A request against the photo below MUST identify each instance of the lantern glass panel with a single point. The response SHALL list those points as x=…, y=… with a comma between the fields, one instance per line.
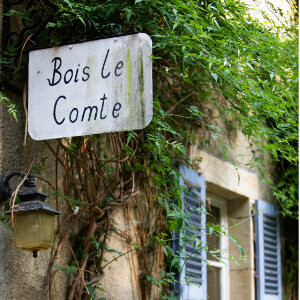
x=34, y=230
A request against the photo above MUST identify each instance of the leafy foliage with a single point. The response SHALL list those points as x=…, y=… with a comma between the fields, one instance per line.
x=11, y=107
x=199, y=44
x=204, y=44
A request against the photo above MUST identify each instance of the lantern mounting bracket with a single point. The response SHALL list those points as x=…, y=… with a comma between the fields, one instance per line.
x=29, y=182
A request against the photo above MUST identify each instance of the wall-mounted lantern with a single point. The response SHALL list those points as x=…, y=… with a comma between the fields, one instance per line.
x=33, y=220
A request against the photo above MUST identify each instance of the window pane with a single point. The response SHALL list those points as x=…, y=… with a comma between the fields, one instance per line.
x=213, y=242
x=213, y=283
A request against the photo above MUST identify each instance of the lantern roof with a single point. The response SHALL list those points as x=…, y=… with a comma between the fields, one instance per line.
x=31, y=194
x=30, y=206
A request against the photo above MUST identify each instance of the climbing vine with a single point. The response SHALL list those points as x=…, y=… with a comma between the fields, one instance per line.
x=210, y=51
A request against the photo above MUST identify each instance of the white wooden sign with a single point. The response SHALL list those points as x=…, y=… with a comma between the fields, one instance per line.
x=92, y=87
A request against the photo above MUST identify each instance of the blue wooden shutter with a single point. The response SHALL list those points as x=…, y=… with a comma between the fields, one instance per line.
x=268, y=264
x=194, y=269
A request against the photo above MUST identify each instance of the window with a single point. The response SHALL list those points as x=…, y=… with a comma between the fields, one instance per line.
x=218, y=269
x=212, y=282
x=268, y=265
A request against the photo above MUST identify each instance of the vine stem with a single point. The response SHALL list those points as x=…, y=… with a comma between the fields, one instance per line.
x=135, y=274
x=26, y=126
x=103, y=243
x=21, y=54
x=66, y=168
x=59, y=247
x=181, y=100
x=80, y=275
x=117, y=257
x=132, y=258
x=13, y=198
x=56, y=181
x=87, y=180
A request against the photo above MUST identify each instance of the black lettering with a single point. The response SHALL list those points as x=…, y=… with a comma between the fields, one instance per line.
x=91, y=109
x=118, y=67
x=65, y=77
x=105, y=76
x=87, y=74
x=70, y=117
x=76, y=74
x=55, y=71
x=54, y=111
x=103, y=99
x=115, y=108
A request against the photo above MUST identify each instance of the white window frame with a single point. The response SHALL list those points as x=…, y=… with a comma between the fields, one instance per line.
x=224, y=244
